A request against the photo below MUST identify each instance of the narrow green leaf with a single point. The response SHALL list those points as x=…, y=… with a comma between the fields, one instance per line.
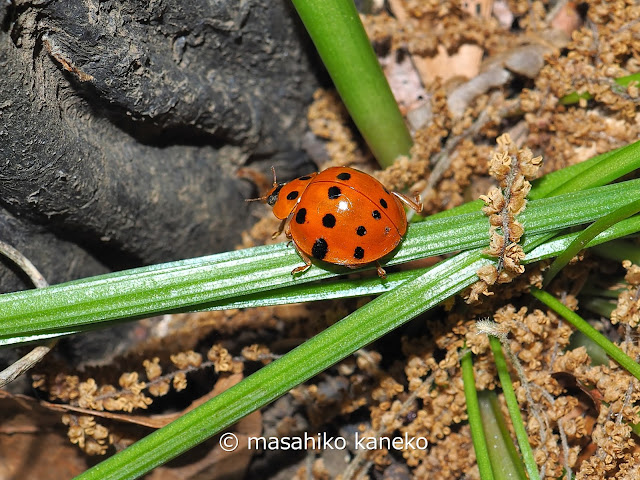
x=578, y=322
x=546, y=185
x=606, y=169
x=475, y=417
x=575, y=97
x=341, y=41
x=195, y=283
x=294, y=294
x=620, y=250
x=587, y=235
x=505, y=460
x=553, y=247
x=514, y=409
x=358, y=329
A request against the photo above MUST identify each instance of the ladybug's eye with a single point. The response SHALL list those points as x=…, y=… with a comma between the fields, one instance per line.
x=273, y=197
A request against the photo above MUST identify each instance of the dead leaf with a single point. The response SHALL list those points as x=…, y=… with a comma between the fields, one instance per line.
x=151, y=421
x=26, y=431
x=28, y=423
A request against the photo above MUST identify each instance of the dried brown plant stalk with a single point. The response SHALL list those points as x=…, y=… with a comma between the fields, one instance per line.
x=133, y=392
x=32, y=358
x=512, y=168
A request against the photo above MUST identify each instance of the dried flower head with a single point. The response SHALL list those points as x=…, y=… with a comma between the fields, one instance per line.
x=513, y=168
x=627, y=310
x=184, y=360
x=90, y=436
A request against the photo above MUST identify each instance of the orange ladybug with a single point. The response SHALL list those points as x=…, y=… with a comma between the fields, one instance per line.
x=341, y=216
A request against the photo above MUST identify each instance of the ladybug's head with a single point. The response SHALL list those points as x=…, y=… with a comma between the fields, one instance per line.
x=271, y=198
x=283, y=197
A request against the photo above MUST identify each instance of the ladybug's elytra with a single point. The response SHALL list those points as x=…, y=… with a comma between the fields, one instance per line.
x=341, y=216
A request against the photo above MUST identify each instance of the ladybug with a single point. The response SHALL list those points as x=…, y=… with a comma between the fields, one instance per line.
x=341, y=216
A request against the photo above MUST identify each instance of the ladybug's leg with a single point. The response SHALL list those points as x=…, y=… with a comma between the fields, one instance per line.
x=415, y=203
x=284, y=223
x=305, y=259
x=280, y=229
x=381, y=272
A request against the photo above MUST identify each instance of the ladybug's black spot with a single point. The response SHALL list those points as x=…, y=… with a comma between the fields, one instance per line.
x=329, y=221
x=358, y=253
x=306, y=177
x=334, y=192
x=383, y=202
x=319, y=249
x=387, y=229
x=344, y=176
x=293, y=195
x=376, y=215
x=361, y=231
x=301, y=216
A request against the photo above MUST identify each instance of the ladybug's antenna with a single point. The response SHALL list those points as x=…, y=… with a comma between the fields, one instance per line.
x=264, y=198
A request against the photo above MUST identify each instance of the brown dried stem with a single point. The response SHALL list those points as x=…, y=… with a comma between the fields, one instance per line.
x=32, y=358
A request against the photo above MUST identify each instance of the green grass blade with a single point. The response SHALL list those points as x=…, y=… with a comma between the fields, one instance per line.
x=358, y=329
x=578, y=322
x=608, y=166
x=365, y=325
x=314, y=291
x=475, y=417
x=505, y=460
x=607, y=169
x=587, y=235
x=341, y=41
x=348, y=287
x=575, y=97
x=514, y=409
x=620, y=250
x=553, y=247
x=194, y=284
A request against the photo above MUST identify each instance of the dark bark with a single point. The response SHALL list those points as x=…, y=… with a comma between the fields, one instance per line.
x=122, y=124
